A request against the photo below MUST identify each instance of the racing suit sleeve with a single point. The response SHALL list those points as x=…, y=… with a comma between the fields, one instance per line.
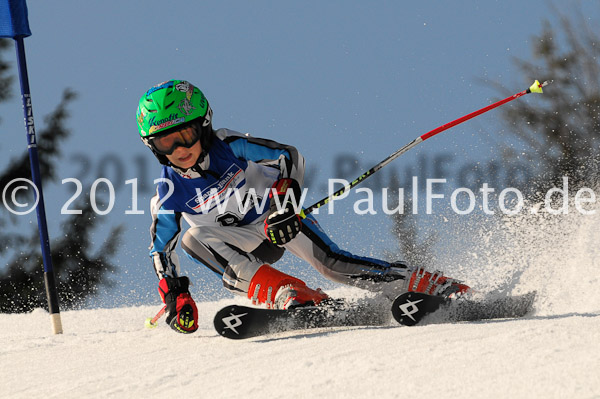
x=165, y=231
x=266, y=152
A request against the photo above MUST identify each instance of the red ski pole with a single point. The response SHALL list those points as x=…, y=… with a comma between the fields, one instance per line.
x=536, y=87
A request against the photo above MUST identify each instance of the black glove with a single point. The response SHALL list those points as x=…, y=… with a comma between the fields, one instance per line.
x=182, y=314
x=283, y=224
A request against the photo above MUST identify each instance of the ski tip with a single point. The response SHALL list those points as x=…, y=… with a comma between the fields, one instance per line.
x=230, y=322
x=409, y=308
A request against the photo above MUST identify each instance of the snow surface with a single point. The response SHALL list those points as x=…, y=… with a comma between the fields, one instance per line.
x=108, y=353
x=554, y=353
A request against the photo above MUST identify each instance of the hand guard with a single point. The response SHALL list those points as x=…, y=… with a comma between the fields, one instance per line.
x=283, y=224
x=182, y=314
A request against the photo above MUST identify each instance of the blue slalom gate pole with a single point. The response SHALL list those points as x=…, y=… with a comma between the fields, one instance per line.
x=49, y=279
x=14, y=24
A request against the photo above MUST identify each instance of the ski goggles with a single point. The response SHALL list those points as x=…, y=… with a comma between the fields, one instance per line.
x=166, y=145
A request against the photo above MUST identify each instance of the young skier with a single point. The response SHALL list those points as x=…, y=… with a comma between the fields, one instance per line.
x=208, y=176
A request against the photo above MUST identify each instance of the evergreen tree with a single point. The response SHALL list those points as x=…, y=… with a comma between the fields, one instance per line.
x=78, y=271
x=559, y=129
x=563, y=134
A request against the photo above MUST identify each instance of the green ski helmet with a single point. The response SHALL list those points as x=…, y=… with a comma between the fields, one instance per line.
x=167, y=107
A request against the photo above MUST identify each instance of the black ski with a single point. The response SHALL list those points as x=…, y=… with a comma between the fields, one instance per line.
x=239, y=322
x=411, y=307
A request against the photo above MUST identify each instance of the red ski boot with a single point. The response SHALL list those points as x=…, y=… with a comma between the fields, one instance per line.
x=278, y=290
x=435, y=284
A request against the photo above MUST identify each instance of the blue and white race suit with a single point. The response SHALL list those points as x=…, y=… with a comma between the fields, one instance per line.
x=226, y=204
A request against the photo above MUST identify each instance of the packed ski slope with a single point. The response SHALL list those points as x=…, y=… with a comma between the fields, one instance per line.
x=554, y=353
x=107, y=353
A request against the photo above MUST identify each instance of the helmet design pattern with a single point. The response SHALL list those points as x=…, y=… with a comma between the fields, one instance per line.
x=167, y=106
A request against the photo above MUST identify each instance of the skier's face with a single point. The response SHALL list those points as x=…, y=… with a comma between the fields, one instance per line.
x=185, y=158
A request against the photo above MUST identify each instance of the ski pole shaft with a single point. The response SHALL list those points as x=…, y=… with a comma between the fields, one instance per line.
x=160, y=313
x=536, y=87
